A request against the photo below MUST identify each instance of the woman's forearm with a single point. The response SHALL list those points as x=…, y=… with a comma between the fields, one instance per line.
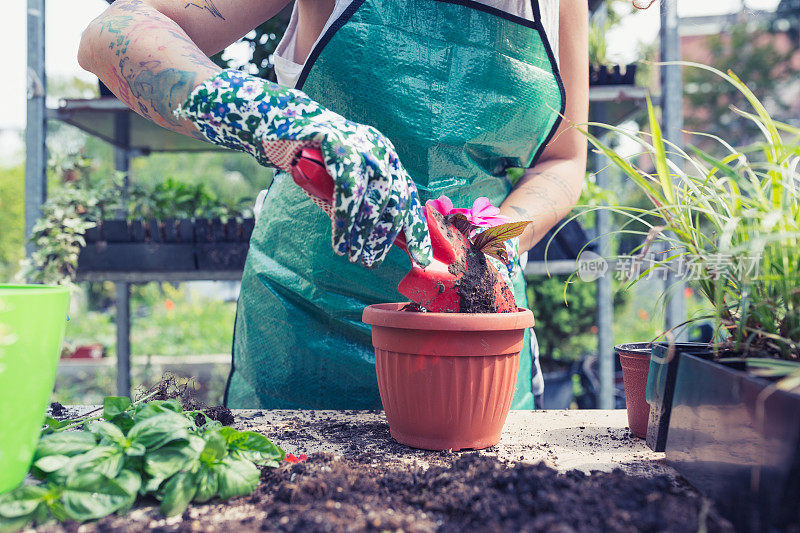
x=545, y=195
x=146, y=60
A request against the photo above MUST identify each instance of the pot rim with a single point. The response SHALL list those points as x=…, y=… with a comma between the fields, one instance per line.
x=634, y=349
x=389, y=315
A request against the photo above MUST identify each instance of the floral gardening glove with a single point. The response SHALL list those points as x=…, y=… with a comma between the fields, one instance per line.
x=373, y=199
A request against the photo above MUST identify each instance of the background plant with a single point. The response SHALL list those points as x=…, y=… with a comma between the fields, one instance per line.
x=79, y=203
x=741, y=207
x=59, y=233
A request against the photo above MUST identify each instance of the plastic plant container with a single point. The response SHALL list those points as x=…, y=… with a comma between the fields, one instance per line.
x=635, y=361
x=661, y=386
x=446, y=380
x=32, y=322
x=738, y=441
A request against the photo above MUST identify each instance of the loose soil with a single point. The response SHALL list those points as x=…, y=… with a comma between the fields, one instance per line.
x=57, y=410
x=472, y=493
x=476, y=284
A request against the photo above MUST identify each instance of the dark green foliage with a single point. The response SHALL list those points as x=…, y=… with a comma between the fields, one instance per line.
x=564, y=329
x=134, y=450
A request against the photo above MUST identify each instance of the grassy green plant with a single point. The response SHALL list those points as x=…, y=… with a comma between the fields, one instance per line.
x=723, y=214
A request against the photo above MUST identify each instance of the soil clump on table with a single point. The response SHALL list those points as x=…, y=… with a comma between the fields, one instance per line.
x=473, y=493
x=57, y=410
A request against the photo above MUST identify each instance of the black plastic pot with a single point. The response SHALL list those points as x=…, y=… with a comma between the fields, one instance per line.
x=166, y=245
x=737, y=441
x=616, y=75
x=661, y=386
x=558, y=390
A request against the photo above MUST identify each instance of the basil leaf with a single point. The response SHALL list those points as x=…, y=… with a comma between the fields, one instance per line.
x=105, y=460
x=177, y=492
x=68, y=443
x=216, y=447
x=151, y=485
x=130, y=483
x=91, y=495
x=51, y=463
x=173, y=457
x=21, y=501
x=135, y=450
x=236, y=477
x=113, y=406
x=12, y=525
x=51, y=424
x=159, y=429
x=149, y=409
x=207, y=484
x=252, y=446
x=108, y=431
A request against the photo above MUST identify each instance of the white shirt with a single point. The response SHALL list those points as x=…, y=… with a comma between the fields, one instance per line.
x=288, y=72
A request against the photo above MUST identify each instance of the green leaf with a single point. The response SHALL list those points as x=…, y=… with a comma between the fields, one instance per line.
x=151, y=485
x=106, y=460
x=660, y=156
x=157, y=407
x=207, y=484
x=252, y=446
x=51, y=424
x=92, y=495
x=177, y=492
x=500, y=234
x=216, y=447
x=135, y=450
x=113, y=406
x=13, y=525
x=159, y=429
x=68, y=443
x=21, y=501
x=236, y=477
x=51, y=463
x=130, y=483
x=173, y=457
x=107, y=431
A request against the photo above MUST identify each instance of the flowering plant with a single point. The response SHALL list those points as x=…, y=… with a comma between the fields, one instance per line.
x=483, y=225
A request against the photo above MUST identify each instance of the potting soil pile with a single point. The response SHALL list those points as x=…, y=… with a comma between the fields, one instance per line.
x=471, y=493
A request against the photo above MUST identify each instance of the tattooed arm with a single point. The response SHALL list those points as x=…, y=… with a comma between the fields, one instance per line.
x=549, y=191
x=152, y=53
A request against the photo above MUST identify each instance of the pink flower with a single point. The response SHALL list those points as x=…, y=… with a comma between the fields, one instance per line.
x=482, y=214
x=442, y=204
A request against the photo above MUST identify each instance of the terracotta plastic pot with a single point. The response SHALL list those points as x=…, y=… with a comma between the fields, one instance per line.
x=446, y=380
x=635, y=361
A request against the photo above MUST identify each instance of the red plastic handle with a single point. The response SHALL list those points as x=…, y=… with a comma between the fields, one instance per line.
x=309, y=172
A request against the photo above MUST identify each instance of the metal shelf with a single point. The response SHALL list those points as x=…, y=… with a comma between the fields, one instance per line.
x=145, y=277
x=103, y=117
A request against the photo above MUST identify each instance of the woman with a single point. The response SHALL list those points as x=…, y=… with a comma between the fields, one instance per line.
x=407, y=100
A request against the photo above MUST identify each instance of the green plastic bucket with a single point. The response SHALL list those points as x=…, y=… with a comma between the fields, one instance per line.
x=32, y=322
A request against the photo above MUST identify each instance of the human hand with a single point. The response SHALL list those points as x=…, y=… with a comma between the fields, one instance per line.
x=373, y=199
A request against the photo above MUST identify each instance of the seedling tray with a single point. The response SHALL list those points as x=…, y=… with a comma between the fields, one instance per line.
x=169, y=245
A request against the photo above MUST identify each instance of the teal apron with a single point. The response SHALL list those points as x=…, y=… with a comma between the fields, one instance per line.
x=464, y=91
